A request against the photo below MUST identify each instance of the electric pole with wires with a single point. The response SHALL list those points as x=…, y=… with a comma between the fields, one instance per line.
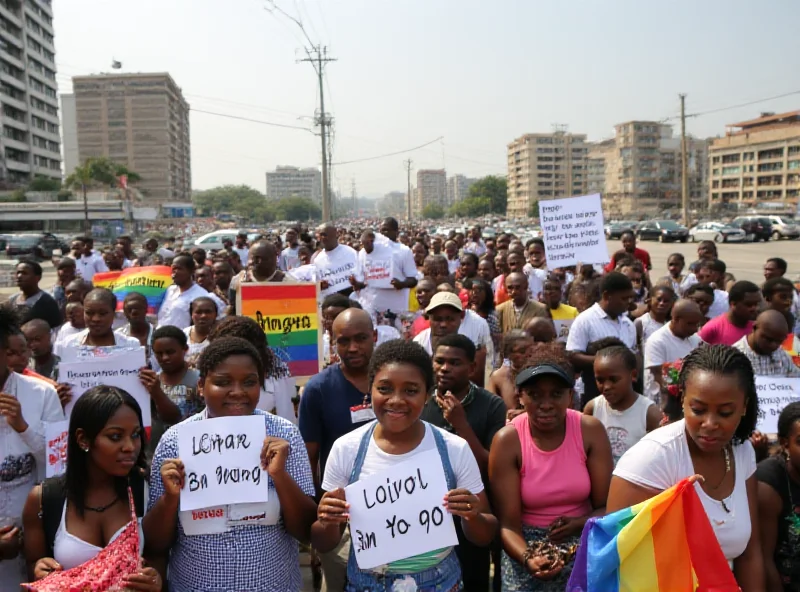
x=408, y=164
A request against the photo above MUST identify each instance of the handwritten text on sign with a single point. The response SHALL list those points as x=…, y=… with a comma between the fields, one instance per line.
x=773, y=395
x=573, y=230
x=378, y=273
x=56, y=435
x=222, y=458
x=399, y=513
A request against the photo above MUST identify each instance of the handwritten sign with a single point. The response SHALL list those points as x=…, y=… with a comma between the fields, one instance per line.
x=573, y=230
x=121, y=371
x=222, y=458
x=56, y=435
x=152, y=282
x=562, y=329
x=288, y=315
x=378, y=273
x=398, y=513
x=774, y=394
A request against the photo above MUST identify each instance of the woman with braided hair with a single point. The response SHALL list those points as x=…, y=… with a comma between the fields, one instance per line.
x=718, y=398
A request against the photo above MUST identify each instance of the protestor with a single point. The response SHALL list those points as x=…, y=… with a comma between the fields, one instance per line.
x=676, y=279
x=713, y=273
x=776, y=267
x=33, y=302
x=175, y=307
x=426, y=288
x=77, y=290
x=241, y=248
x=730, y=327
x=88, y=262
x=453, y=260
x=475, y=244
x=400, y=376
x=763, y=346
x=628, y=239
x=39, y=337
x=134, y=307
x=659, y=307
x=75, y=323
x=720, y=406
x=71, y=518
x=520, y=309
x=542, y=330
x=335, y=263
x=125, y=245
x=549, y=472
x=223, y=276
x=562, y=314
x=66, y=272
x=481, y=302
x=290, y=256
x=516, y=349
x=263, y=554
x=703, y=296
x=204, y=317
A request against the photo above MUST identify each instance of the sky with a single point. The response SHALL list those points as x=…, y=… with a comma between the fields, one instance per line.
x=408, y=72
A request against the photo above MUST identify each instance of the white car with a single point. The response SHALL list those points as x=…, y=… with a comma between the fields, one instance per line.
x=717, y=232
x=213, y=240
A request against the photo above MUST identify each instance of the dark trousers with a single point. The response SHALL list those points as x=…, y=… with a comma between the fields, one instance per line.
x=474, y=562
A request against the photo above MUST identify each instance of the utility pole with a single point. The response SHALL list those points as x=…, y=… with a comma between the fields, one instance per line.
x=355, y=199
x=318, y=57
x=684, y=164
x=408, y=164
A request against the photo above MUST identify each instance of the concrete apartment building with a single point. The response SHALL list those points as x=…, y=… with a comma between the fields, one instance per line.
x=545, y=166
x=458, y=188
x=431, y=189
x=30, y=143
x=291, y=181
x=142, y=122
x=757, y=161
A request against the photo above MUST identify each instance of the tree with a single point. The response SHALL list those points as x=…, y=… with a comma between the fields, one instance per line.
x=533, y=210
x=433, y=211
x=41, y=183
x=471, y=207
x=81, y=178
x=491, y=188
x=234, y=199
x=296, y=208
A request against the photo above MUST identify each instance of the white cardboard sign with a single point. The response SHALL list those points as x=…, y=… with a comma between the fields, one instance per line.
x=399, y=513
x=56, y=435
x=378, y=273
x=121, y=371
x=774, y=393
x=222, y=459
x=573, y=231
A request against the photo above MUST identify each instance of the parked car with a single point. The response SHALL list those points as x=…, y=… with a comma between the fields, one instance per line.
x=36, y=246
x=755, y=227
x=717, y=232
x=213, y=240
x=784, y=227
x=664, y=231
x=615, y=229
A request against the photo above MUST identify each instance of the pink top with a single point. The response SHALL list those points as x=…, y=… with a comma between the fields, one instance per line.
x=720, y=330
x=554, y=483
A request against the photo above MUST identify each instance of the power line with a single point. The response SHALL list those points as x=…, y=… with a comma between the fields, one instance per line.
x=390, y=154
x=730, y=107
x=305, y=129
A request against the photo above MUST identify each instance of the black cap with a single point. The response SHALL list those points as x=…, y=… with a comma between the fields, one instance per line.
x=532, y=372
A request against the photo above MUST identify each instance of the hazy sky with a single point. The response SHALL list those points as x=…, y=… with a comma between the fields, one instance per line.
x=477, y=73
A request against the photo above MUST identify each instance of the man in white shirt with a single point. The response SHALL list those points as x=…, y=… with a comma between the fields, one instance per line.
x=175, y=308
x=241, y=248
x=475, y=245
x=290, y=256
x=335, y=263
x=451, y=252
x=713, y=272
x=672, y=342
x=89, y=262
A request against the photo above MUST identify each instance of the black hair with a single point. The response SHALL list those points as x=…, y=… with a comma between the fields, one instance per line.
x=223, y=263
x=741, y=289
x=65, y=262
x=535, y=241
x=718, y=265
x=124, y=237
x=186, y=260
x=779, y=263
x=135, y=296
x=488, y=301
x=458, y=341
x=605, y=342
x=677, y=256
x=619, y=351
x=399, y=351
x=91, y=413
x=9, y=323
x=512, y=338
x=171, y=332
x=203, y=299
x=726, y=361
x=223, y=348
x=249, y=330
x=776, y=284
x=708, y=243
x=103, y=295
x=391, y=223
x=615, y=282
x=471, y=256
x=663, y=288
x=336, y=301
x=787, y=418
x=35, y=267
x=704, y=288
x=627, y=232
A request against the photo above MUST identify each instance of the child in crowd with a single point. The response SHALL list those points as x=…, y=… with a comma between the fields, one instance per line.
x=76, y=323
x=43, y=360
x=516, y=348
x=204, y=316
x=659, y=306
x=703, y=295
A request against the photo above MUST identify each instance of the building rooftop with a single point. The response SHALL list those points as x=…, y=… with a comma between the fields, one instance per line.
x=766, y=121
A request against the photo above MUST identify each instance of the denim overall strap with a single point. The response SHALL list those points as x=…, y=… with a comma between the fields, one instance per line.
x=361, y=454
x=441, y=446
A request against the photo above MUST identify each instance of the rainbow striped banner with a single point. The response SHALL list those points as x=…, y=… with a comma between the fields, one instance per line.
x=289, y=317
x=664, y=544
x=152, y=282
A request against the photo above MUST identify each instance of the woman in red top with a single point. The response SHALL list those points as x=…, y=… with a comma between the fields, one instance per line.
x=629, y=247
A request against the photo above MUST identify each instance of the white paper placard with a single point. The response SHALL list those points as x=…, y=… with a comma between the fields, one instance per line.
x=562, y=329
x=119, y=371
x=774, y=394
x=56, y=436
x=573, y=231
x=222, y=459
x=378, y=273
x=399, y=513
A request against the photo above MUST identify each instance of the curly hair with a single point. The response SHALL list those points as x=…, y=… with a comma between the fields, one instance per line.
x=725, y=361
x=223, y=348
x=551, y=353
x=788, y=417
x=10, y=321
x=171, y=332
x=249, y=330
x=398, y=351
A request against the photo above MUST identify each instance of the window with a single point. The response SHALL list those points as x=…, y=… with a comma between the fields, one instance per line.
x=773, y=153
x=733, y=170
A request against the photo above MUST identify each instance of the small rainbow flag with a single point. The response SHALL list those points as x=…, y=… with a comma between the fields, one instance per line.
x=152, y=282
x=664, y=544
x=288, y=315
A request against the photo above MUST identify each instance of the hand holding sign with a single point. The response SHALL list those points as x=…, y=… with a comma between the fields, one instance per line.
x=333, y=508
x=462, y=502
x=173, y=475
x=273, y=455
x=11, y=409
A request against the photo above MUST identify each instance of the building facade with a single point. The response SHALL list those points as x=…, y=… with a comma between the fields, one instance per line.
x=290, y=181
x=69, y=127
x=545, y=166
x=458, y=188
x=142, y=122
x=30, y=143
x=757, y=161
x=431, y=189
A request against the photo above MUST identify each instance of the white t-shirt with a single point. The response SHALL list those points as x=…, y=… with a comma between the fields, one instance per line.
x=472, y=325
x=536, y=280
x=720, y=305
x=663, y=347
x=290, y=258
x=649, y=326
x=87, y=267
x=175, y=308
x=624, y=428
x=67, y=350
x=304, y=273
x=336, y=267
x=661, y=459
x=244, y=254
x=453, y=264
x=398, y=261
x=343, y=457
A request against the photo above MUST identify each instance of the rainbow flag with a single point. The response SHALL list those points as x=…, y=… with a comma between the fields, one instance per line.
x=152, y=282
x=288, y=315
x=664, y=544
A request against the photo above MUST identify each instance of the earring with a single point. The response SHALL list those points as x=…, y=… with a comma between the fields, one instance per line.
x=85, y=448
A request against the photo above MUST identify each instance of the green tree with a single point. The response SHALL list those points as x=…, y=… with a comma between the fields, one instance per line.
x=471, y=207
x=533, y=210
x=234, y=199
x=107, y=172
x=81, y=179
x=296, y=208
x=433, y=211
x=491, y=188
x=41, y=183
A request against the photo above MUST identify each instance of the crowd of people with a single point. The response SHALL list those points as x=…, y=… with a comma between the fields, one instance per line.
x=551, y=395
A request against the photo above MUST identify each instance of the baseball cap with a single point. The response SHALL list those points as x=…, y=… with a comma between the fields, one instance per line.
x=445, y=299
x=532, y=372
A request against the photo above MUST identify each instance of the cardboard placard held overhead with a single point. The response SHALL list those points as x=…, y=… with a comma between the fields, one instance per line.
x=774, y=393
x=573, y=231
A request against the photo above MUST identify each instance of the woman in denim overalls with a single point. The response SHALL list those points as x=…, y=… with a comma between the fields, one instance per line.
x=401, y=375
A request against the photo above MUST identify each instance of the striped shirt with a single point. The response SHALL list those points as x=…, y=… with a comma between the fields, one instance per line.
x=594, y=324
x=778, y=363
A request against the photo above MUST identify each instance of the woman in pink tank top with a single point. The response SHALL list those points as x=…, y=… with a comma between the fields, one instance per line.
x=550, y=470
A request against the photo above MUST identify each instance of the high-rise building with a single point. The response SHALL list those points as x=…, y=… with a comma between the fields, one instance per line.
x=69, y=129
x=431, y=189
x=757, y=161
x=30, y=142
x=545, y=166
x=142, y=122
x=290, y=181
x=458, y=188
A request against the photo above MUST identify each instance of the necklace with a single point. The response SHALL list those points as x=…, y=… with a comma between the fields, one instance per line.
x=727, y=454
x=101, y=509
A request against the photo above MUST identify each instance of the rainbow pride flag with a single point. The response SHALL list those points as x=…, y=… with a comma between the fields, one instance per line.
x=288, y=315
x=152, y=282
x=664, y=544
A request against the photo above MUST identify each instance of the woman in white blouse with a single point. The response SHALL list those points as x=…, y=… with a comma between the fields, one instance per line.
x=720, y=409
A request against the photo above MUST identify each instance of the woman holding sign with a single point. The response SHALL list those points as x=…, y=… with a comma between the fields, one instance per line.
x=238, y=547
x=401, y=375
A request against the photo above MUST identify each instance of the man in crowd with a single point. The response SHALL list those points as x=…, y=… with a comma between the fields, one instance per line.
x=475, y=244
x=65, y=271
x=467, y=410
x=763, y=346
x=241, y=248
x=43, y=360
x=776, y=267
x=451, y=252
x=89, y=262
x=712, y=272
x=334, y=403
x=728, y=328
x=223, y=275
x=516, y=312
x=335, y=263
x=37, y=303
x=628, y=239
x=562, y=314
x=125, y=244
x=147, y=255
x=290, y=257
x=387, y=300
